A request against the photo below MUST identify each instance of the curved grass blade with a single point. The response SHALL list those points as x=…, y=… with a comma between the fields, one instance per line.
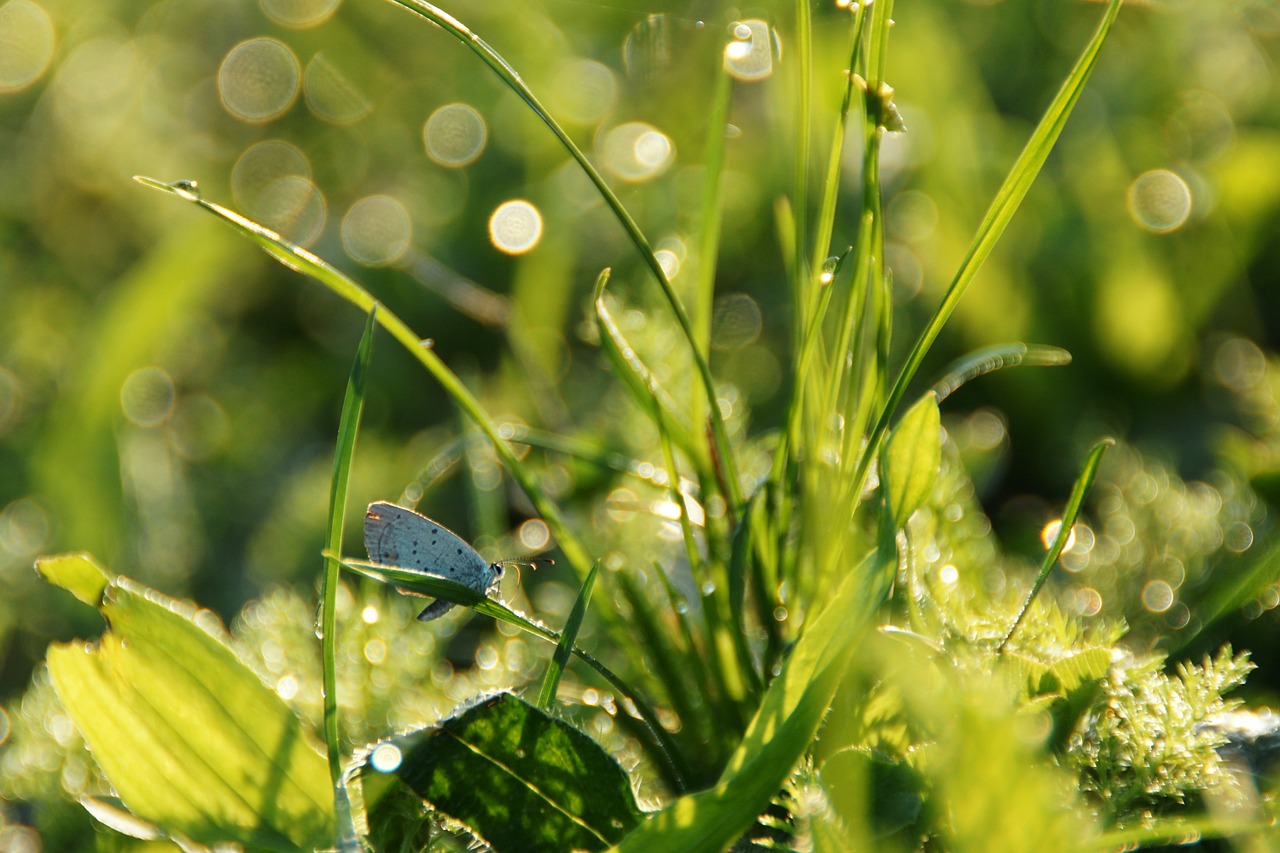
x=627, y=364
x=567, y=638
x=998, y=357
x=348, y=427
x=1003, y=206
x=1069, y=515
x=512, y=80
x=297, y=258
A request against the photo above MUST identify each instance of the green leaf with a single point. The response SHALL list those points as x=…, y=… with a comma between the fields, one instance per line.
x=911, y=459
x=189, y=737
x=564, y=648
x=515, y=776
x=78, y=574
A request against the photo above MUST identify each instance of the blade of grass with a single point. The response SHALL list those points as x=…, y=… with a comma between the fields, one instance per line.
x=629, y=367
x=711, y=220
x=724, y=646
x=1003, y=206
x=801, y=274
x=998, y=357
x=1069, y=515
x=348, y=427
x=564, y=647
x=783, y=728
x=512, y=80
x=826, y=218
x=680, y=666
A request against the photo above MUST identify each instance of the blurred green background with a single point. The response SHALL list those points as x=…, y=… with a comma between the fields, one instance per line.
x=169, y=395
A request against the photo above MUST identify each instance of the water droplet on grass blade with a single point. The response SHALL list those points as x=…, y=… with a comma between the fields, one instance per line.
x=188, y=189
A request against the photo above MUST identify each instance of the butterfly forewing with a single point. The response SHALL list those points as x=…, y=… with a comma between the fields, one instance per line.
x=395, y=536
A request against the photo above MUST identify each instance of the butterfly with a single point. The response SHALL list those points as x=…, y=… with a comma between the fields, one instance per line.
x=395, y=536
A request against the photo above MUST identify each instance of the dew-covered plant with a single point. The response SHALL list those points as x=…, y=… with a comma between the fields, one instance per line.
x=805, y=637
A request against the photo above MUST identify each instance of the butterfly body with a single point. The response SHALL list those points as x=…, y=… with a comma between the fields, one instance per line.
x=395, y=536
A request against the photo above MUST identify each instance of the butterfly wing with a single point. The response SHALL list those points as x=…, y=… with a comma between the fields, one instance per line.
x=395, y=536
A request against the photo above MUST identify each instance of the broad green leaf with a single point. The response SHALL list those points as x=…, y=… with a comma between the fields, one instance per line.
x=189, y=736
x=866, y=787
x=780, y=733
x=911, y=459
x=517, y=777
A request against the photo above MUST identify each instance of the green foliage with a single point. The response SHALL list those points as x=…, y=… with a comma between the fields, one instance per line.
x=190, y=738
x=1150, y=745
x=806, y=632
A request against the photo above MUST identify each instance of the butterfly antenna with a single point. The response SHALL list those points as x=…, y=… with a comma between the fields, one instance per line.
x=531, y=562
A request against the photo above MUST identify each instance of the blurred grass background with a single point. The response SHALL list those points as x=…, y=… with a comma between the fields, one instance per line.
x=169, y=396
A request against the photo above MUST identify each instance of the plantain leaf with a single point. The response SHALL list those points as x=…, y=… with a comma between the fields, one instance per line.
x=189, y=737
x=515, y=776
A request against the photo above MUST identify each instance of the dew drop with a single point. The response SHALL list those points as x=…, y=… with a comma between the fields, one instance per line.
x=190, y=190
x=829, y=267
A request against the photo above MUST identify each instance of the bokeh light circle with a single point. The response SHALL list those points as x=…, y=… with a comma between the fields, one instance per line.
x=749, y=55
x=515, y=227
x=1159, y=200
x=26, y=44
x=637, y=151
x=299, y=13
x=377, y=230
x=455, y=135
x=259, y=80
x=147, y=396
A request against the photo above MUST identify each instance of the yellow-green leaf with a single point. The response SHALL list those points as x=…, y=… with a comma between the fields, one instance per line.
x=189, y=737
x=911, y=459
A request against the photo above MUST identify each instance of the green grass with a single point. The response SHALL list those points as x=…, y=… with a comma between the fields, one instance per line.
x=800, y=635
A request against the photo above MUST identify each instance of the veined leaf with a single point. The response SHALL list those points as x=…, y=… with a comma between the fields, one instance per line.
x=517, y=777
x=189, y=737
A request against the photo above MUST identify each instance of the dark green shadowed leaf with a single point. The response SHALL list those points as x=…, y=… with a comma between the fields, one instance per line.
x=188, y=736
x=522, y=780
x=568, y=637
x=911, y=459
